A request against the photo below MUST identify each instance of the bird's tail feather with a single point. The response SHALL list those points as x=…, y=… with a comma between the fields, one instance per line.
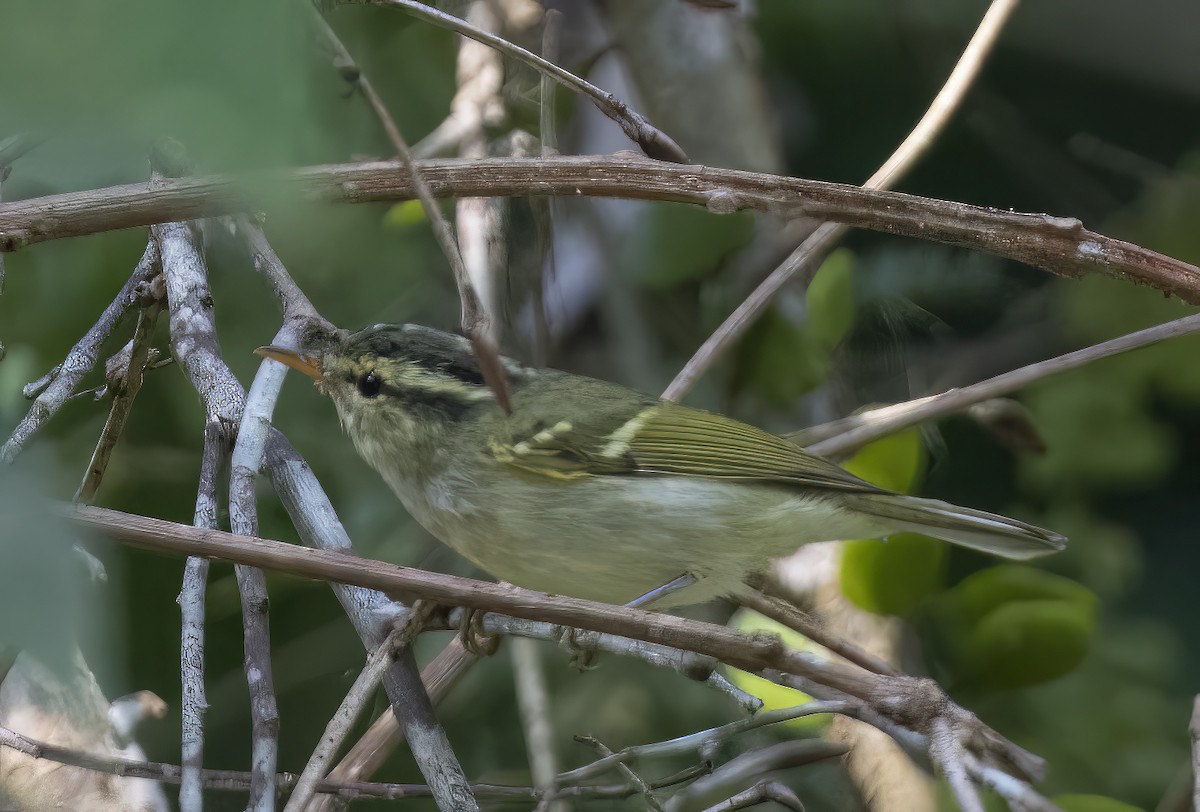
x=976, y=529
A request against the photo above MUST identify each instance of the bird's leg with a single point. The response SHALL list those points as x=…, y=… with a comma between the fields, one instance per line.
x=660, y=592
x=584, y=657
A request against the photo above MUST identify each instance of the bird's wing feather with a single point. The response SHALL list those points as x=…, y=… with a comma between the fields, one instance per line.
x=666, y=438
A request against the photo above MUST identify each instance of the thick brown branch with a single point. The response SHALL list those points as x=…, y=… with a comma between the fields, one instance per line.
x=906, y=701
x=1060, y=245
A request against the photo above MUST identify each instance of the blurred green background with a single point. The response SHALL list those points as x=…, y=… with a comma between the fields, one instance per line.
x=1085, y=109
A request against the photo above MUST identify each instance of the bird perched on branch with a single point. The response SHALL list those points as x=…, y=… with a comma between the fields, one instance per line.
x=593, y=490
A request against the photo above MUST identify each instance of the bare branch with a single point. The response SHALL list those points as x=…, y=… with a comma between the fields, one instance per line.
x=239, y=781
x=848, y=433
x=686, y=663
x=356, y=698
x=787, y=614
x=533, y=704
x=761, y=792
x=318, y=524
x=1060, y=245
x=385, y=734
x=750, y=766
x=1018, y=794
x=908, y=702
x=625, y=769
x=371, y=613
x=124, y=383
x=61, y=381
x=636, y=127
x=194, y=700
x=805, y=259
x=702, y=741
x=12, y=148
x=948, y=755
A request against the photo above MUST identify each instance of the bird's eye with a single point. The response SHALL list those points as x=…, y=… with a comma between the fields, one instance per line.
x=369, y=385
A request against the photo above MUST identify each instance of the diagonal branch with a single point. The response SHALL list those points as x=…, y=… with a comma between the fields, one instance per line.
x=476, y=321
x=848, y=433
x=61, y=382
x=805, y=259
x=654, y=142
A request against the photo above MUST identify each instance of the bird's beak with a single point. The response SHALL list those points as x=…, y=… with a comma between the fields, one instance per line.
x=298, y=361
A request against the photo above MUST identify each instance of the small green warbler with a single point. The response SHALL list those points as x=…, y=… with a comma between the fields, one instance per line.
x=593, y=490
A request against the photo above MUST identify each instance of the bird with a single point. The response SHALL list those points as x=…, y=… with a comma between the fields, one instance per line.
x=585, y=488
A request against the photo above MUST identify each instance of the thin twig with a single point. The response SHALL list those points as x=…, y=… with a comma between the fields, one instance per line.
x=476, y=321
x=125, y=385
x=815, y=246
x=385, y=734
x=636, y=127
x=702, y=741
x=79, y=361
x=760, y=793
x=625, y=769
x=533, y=705
x=948, y=754
x=1060, y=245
x=1018, y=794
x=194, y=701
x=792, y=617
x=239, y=781
x=357, y=697
x=848, y=433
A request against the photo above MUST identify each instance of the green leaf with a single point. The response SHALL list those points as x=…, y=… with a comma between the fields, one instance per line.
x=680, y=243
x=894, y=462
x=778, y=362
x=1025, y=643
x=1011, y=626
x=892, y=577
x=831, y=300
x=773, y=696
x=405, y=215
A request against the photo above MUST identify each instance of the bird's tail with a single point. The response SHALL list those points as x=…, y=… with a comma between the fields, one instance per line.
x=976, y=529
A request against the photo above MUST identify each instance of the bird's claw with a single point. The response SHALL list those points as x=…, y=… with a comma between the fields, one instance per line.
x=581, y=657
x=473, y=637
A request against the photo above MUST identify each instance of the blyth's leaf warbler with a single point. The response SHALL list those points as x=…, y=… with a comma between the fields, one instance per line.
x=593, y=490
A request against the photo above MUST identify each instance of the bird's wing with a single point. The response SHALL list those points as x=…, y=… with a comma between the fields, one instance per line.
x=666, y=438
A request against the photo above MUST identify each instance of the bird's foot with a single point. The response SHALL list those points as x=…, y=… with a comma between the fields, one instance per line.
x=472, y=635
x=581, y=657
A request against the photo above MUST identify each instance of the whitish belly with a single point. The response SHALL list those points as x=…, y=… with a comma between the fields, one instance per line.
x=616, y=538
